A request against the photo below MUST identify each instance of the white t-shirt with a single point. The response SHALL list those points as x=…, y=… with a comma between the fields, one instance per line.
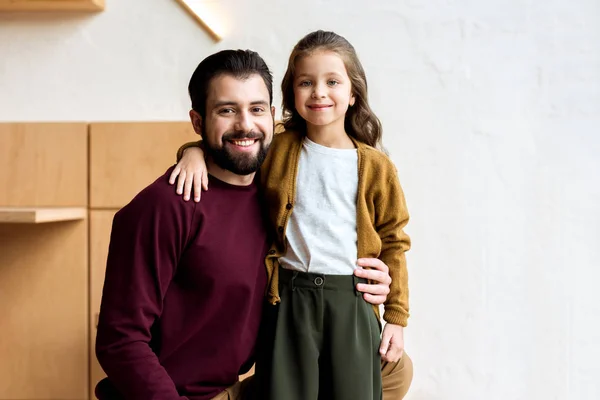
x=321, y=233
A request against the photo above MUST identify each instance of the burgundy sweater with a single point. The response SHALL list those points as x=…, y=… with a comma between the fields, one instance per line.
x=182, y=298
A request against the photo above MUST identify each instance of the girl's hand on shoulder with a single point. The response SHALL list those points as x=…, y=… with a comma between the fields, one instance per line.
x=392, y=343
x=190, y=172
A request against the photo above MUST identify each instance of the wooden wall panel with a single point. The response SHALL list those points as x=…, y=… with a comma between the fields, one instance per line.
x=44, y=310
x=43, y=164
x=100, y=227
x=126, y=157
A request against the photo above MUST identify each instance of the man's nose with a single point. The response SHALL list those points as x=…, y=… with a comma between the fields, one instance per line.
x=243, y=122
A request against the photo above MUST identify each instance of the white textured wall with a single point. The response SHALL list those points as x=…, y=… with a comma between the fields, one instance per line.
x=491, y=110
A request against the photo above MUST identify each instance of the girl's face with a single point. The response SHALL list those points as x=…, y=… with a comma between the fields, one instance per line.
x=322, y=90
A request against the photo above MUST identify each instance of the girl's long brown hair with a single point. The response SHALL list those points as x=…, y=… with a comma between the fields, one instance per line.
x=360, y=122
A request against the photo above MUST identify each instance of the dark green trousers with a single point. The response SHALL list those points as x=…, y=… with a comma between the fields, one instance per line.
x=325, y=341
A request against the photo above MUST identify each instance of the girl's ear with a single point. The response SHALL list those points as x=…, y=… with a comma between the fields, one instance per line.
x=352, y=100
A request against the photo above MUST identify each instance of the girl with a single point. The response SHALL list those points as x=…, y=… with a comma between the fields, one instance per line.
x=332, y=197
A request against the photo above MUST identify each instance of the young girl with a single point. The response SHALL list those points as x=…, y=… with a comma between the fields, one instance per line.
x=333, y=197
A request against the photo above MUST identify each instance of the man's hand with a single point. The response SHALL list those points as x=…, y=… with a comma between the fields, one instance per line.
x=374, y=293
x=392, y=343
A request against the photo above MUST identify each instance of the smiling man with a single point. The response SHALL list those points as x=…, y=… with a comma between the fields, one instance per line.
x=185, y=281
x=236, y=140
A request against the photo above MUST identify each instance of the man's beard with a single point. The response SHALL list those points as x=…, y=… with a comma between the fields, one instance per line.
x=240, y=163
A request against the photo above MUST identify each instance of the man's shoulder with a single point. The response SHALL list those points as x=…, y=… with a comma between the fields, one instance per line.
x=160, y=190
x=159, y=196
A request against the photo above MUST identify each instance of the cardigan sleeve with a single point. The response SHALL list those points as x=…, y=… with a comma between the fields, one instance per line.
x=390, y=219
x=187, y=146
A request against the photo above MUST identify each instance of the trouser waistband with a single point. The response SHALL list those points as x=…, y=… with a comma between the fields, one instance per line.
x=308, y=280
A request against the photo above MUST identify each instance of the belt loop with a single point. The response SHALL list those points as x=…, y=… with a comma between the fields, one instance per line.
x=292, y=284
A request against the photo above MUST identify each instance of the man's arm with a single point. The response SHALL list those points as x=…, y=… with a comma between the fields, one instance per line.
x=147, y=238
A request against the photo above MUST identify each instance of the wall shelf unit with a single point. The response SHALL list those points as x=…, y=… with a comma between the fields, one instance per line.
x=37, y=215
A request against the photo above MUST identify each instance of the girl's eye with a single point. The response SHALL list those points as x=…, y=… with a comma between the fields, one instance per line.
x=304, y=83
x=332, y=82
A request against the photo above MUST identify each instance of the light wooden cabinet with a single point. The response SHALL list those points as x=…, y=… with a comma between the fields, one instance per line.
x=127, y=157
x=43, y=261
x=43, y=164
x=51, y=5
x=60, y=186
x=100, y=227
x=43, y=303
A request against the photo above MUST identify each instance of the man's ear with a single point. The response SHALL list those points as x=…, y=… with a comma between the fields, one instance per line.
x=196, y=122
x=273, y=111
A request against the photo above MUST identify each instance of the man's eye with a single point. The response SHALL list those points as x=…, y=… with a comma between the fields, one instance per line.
x=258, y=110
x=226, y=111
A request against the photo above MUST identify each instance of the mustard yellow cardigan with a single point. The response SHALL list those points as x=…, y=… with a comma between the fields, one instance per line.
x=381, y=215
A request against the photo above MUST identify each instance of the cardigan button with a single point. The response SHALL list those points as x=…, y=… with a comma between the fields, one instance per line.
x=289, y=206
x=271, y=251
x=280, y=229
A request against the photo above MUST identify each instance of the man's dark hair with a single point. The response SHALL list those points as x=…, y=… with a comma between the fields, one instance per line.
x=238, y=63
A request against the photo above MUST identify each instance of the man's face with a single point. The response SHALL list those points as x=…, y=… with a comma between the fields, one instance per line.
x=238, y=127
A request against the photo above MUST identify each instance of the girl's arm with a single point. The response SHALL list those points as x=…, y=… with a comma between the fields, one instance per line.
x=190, y=171
x=390, y=220
x=391, y=216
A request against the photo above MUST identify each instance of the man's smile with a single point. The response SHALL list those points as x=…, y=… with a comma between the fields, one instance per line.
x=244, y=145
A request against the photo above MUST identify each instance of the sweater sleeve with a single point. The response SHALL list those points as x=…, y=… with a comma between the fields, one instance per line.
x=148, y=236
x=390, y=222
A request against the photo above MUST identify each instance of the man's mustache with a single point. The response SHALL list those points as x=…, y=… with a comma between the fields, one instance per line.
x=243, y=135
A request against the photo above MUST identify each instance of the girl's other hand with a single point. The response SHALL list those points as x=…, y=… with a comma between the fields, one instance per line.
x=392, y=343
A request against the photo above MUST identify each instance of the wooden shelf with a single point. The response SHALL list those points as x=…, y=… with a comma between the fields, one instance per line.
x=37, y=215
x=51, y=5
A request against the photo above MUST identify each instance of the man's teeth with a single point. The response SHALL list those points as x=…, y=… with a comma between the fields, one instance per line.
x=243, y=143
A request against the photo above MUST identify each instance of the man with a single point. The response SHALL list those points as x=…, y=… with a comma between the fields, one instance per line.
x=185, y=281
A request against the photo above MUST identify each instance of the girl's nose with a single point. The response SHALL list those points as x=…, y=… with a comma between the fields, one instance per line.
x=318, y=91
x=316, y=94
